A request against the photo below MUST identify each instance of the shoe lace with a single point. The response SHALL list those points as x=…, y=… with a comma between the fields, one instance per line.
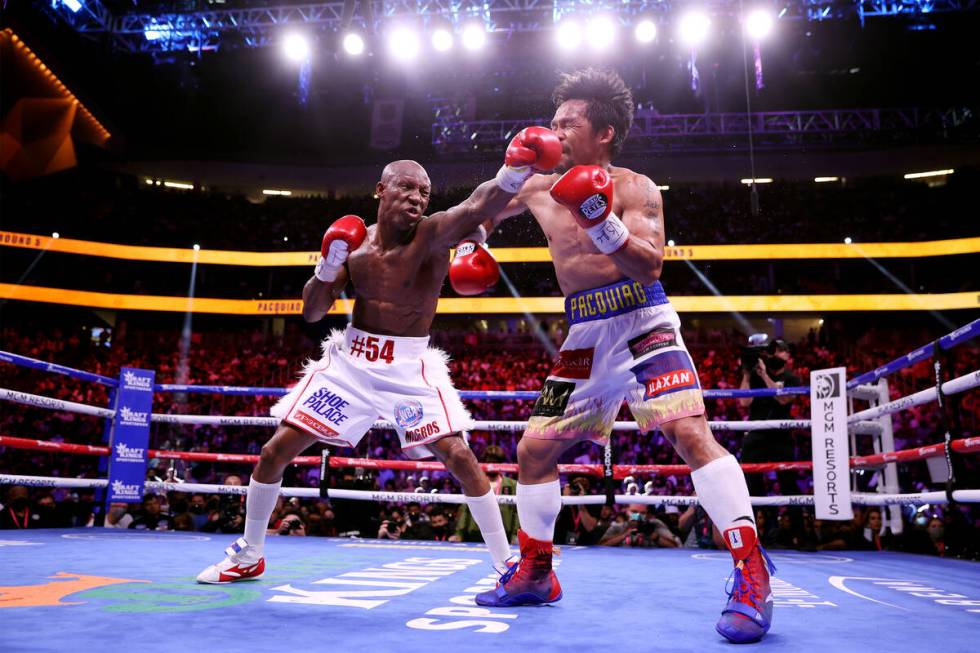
x=511, y=570
x=522, y=567
x=743, y=584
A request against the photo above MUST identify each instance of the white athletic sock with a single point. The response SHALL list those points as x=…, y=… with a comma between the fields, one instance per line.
x=486, y=514
x=723, y=493
x=259, y=504
x=538, y=506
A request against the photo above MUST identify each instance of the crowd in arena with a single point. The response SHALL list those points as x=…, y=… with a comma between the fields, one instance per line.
x=123, y=209
x=480, y=362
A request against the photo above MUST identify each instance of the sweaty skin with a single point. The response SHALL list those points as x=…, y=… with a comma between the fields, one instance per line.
x=636, y=200
x=399, y=270
x=579, y=265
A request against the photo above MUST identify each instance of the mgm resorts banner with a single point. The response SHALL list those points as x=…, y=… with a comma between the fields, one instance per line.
x=130, y=436
x=831, y=469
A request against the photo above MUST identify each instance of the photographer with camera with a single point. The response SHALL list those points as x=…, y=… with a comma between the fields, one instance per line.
x=291, y=524
x=392, y=527
x=641, y=530
x=768, y=365
x=583, y=525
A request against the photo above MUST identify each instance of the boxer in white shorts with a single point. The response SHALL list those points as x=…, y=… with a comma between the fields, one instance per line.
x=382, y=367
x=363, y=378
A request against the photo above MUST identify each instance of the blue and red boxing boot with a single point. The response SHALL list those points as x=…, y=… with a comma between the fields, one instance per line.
x=748, y=615
x=529, y=581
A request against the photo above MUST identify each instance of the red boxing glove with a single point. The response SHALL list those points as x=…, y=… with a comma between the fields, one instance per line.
x=534, y=148
x=587, y=191
x=341, y=238
x=474, y=270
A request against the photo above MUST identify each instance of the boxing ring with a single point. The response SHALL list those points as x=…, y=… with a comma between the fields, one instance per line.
x=103, y=588
x=116, y=589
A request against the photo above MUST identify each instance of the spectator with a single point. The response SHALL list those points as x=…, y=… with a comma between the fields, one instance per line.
x=697, y=531
x=152, y=517
x=786, y=535
x=393, y=527
x=46, y=513
x=226, y=514
x=16, y=513
x=437, y=528
x=582, y=525
x=291, y=524
x=765, y=532
x=118, y=516
x=772, y=370
x=198, y=511
x=872, y=534
x=640, y=531
x=467, y=529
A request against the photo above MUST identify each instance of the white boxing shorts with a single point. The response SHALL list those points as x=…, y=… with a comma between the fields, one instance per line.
x=363, y=377
x=624, y=342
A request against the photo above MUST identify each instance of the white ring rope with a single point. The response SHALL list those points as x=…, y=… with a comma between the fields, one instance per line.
x=955, y=386
x=53, y=404
x=864, y=427
x=962, y=496
x=858, y=421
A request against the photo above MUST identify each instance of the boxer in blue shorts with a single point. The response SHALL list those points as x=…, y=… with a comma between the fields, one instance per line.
x=605, y=231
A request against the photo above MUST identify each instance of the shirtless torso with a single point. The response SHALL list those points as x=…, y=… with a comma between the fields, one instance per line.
x=399, y=269
x=398, y=288
x=578, y=264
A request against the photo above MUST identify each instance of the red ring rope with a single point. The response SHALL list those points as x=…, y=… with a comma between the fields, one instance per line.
x=965, y=445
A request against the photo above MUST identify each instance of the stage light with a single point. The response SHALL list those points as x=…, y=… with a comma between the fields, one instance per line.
x=664, y=187
x=156, y=32
x=353, y=44
x=824, y=180
x=758, y=24
x=56, y=235
x=694, y=28
x=670, y=243
x=272, y=191
x=442, y=40
x=757, y=180
x=296, y=48
x=847, y=240
x=403, y=43
x=197, y=247
x=74, y=5
x=569, y=35
x=474, y=36
x=645, y=31
x=929, y=173
x=178, y=184
x=601, y=32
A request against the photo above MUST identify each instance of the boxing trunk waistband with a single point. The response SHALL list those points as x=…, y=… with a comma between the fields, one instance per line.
x=368, y=347
x=615, y=299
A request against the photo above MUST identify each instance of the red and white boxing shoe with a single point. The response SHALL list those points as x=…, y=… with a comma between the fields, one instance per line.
x=243, y=562
x=748, y=615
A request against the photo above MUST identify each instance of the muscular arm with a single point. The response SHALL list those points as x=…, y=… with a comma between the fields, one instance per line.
x=319, y=296
x=643, y=257
x=487, y=201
